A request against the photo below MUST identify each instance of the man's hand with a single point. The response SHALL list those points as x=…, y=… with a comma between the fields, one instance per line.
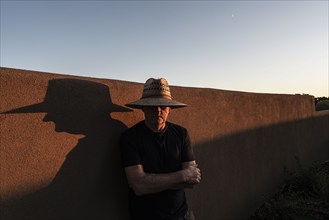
x=192, y=174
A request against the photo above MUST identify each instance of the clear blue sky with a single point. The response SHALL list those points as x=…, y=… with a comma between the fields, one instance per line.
x=253, y=46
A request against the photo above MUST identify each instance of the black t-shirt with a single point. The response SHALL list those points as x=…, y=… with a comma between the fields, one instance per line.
x=158, y=153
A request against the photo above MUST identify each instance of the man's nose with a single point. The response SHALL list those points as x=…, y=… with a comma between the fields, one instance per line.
x=158, y=110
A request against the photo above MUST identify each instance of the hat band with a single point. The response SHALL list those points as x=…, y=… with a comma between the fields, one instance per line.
x=157, y=96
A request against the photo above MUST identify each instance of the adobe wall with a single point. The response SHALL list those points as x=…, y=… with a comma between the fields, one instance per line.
x=60, y=158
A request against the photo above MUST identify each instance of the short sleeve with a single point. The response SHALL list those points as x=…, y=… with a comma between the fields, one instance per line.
x=130, y=154
x=187, y=149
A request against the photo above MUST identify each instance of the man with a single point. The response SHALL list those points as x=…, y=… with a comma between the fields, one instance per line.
x=158, y=158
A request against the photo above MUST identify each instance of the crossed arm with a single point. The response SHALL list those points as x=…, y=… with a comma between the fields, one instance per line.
x=146, y=183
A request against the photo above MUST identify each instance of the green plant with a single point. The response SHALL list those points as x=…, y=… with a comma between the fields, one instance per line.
x=322, y=105
x=304, y=195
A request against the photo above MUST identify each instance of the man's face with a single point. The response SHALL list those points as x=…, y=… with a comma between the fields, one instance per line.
x=155, y=115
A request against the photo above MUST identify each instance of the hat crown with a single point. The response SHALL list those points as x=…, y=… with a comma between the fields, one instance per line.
x=156, y=93
x=156, y=88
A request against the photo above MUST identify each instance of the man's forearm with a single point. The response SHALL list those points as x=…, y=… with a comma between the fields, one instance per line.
x=146, y=183
x=153, y=183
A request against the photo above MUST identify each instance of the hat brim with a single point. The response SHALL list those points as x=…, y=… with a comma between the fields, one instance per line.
x=148, y=102
x=35, y=108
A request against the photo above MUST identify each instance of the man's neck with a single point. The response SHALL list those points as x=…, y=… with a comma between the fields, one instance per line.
x=156, y=128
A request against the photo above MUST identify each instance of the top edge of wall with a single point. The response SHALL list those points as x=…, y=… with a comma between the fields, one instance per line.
x=9, y=70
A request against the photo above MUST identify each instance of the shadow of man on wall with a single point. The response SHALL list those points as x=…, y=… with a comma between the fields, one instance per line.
x=90, y=183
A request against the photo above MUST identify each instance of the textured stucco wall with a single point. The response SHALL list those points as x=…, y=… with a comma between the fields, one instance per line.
x=60, y=158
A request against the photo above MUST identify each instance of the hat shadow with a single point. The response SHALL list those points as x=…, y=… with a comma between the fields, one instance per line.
x=90, y=183
x=74, y=105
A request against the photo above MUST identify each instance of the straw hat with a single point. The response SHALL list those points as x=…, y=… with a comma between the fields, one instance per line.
x=156, y=92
